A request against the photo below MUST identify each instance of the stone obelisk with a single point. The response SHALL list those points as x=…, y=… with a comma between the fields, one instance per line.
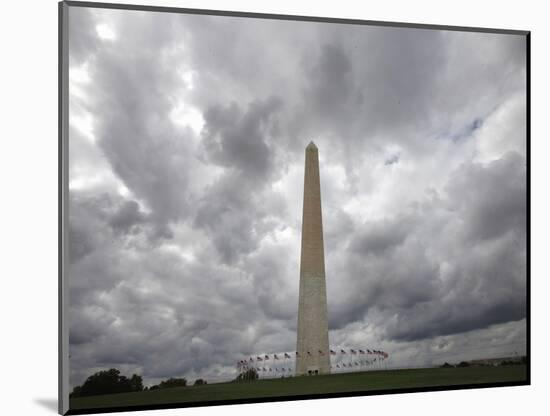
x=313, y=354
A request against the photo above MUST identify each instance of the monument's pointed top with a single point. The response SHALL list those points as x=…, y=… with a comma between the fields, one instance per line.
x=311, y=145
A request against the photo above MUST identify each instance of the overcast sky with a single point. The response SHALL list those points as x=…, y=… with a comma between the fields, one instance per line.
x=187, y=138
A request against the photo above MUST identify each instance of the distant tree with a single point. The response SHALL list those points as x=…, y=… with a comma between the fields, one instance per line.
x=77, y=390
x=250, y=374
x=170, y=383
x=463, y=364
x=108, y=382
x=199, y=382
x=173, y=382
x=136, y=383
x=447, y=365
x=523, y=360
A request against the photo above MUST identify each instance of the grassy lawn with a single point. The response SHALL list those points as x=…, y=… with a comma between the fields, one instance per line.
x=294, y=386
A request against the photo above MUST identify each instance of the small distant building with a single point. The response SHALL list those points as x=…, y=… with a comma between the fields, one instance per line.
x=495, y=361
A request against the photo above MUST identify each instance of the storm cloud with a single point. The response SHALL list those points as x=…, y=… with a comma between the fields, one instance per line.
x=187, y=137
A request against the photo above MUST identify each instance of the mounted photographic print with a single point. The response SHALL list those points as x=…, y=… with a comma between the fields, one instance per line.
x=264, y=208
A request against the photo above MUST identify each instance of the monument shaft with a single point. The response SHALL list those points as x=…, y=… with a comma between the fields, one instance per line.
x=312, y=340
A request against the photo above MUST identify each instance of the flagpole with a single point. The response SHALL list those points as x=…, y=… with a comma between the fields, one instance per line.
x=285, y=358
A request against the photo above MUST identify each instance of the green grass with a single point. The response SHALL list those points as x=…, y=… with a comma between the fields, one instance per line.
x=336, y=383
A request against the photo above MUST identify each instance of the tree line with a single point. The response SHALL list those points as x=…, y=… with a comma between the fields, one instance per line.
x=112, y=382
x=248, y=375
x=521, y=361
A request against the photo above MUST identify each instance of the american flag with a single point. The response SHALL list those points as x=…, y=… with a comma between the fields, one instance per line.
x=288, y=356
x=342, y=351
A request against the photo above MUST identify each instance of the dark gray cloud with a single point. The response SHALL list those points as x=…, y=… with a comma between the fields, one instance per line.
x=240, y=141
x=227, y=215
x=392, y=160
x=186, y=169
x=131, y=103
x=467, y=276
x=230, y=210
x=330, y=90
x=83, y=37
x=377, y=238
x=127, y=217
x=497, y=203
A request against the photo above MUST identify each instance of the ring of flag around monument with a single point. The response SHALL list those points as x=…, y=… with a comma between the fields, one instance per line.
x=286, y=355
x=284, y=362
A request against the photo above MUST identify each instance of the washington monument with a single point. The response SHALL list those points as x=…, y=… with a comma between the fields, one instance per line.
x=313, y=354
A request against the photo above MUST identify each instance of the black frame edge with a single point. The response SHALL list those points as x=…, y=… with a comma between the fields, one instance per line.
x=274, y=16
x=63, y=121
x=294, y=398
x=528, y=196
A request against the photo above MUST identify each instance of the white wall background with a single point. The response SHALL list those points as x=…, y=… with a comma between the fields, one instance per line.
x=28, y=207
